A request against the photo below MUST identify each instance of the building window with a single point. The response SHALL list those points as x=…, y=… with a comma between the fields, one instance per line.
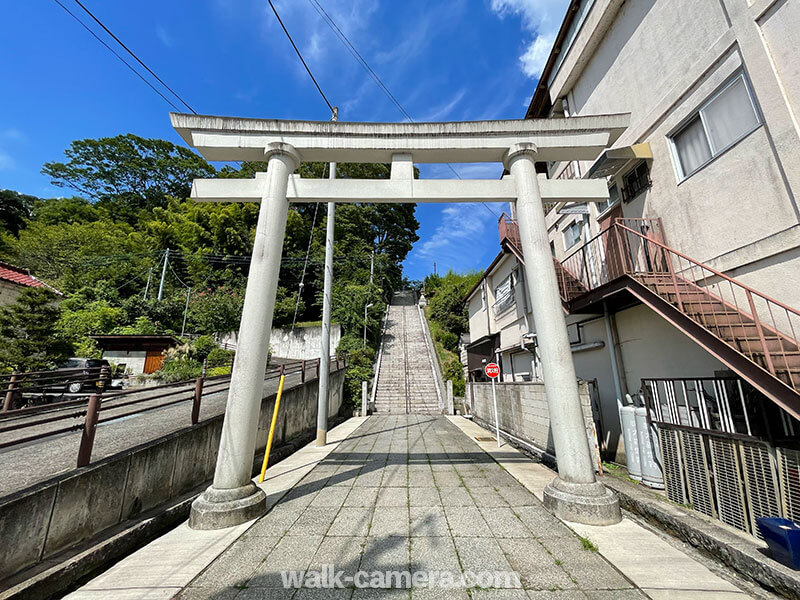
x=613, y=200
x=723, y=120
x=504, y=295
x=483, y=296
x=553, y=248
x=572, y=234
x=636, y=181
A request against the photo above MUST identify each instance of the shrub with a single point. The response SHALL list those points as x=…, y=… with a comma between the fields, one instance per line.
x=203, y=347
x=220, y=358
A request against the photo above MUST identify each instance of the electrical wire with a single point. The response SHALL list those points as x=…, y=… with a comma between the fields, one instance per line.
x=299, y=55
x=371, y=72
x=110, y=49
x=129, y=51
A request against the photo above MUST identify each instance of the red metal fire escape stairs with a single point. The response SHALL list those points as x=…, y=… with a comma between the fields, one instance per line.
x=751, y=333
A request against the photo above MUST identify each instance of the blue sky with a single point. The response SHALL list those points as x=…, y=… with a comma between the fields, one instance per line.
x=443, y=60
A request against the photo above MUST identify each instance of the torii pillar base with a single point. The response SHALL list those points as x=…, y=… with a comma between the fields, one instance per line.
x=218, y=509
x=589, y=503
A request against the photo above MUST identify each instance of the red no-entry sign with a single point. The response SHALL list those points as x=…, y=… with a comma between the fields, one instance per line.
x=492, y=370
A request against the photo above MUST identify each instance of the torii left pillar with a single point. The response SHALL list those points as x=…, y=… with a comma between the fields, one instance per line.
x=233, y=498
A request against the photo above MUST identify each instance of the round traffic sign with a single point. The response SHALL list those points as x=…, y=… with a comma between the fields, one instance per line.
x=492, y=370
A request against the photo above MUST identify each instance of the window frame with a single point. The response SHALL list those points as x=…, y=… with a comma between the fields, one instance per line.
x=699, y=113
x=579, y=236
x=508, y=299
x=607, y=209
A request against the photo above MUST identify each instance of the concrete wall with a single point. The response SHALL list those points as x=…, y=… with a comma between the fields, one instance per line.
x=302, y=343
x=38, y=523
x=522, y=411
x=132, y=359
x=9, y=292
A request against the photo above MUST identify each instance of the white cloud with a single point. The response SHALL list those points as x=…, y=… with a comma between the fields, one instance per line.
x=13, y=134
x=6, y=162
x=164, y=37
x=542, y=19
x=459, y=228
x=442, y=111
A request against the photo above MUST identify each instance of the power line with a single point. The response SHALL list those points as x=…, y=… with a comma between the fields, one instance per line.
x=110, y=49
x=300, y=56
x=371, y=72
x=129, y=51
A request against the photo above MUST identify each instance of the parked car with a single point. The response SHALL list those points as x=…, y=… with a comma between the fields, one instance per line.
x=87, y=378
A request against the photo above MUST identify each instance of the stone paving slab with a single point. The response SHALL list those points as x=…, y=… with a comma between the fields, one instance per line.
x=410, y=493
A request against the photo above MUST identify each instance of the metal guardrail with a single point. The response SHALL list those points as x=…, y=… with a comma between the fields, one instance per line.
x=91, y=408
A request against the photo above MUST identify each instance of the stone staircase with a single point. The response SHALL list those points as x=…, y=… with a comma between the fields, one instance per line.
x=405, y=380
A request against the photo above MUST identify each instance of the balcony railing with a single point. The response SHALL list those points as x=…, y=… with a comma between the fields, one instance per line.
x=755, y=325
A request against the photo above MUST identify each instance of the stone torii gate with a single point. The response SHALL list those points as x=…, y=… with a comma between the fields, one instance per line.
x=575, y=494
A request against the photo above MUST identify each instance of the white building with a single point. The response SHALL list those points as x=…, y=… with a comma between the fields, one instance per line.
x=709, y=169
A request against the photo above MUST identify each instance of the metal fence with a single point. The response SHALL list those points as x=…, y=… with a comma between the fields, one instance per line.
x=91, y=407
x=715, y=457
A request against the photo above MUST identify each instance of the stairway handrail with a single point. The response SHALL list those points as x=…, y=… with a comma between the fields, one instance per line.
x=380, y=357
x=706, y=267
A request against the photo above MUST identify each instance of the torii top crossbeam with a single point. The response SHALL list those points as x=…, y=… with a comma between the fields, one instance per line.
x=402, y=144
x=236, y=139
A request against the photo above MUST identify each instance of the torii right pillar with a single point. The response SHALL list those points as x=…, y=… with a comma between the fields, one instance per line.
x=575, y=494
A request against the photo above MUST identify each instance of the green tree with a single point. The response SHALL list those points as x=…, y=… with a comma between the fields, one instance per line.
x=447, y=306
x=29, y=330
x=128, y=173
x=59, y=211
x=15, y=208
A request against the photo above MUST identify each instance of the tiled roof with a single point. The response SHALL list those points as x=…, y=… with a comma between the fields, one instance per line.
x=18, y=276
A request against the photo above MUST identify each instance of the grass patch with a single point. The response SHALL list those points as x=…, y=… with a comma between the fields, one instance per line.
x=587, y=544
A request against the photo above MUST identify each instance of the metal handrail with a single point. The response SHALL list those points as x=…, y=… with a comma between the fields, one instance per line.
x=93, y=410
x=714, y=271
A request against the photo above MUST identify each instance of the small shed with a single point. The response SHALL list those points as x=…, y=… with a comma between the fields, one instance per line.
x=141, y=354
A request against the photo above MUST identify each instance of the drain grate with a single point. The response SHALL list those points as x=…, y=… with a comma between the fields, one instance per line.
x=485, y=439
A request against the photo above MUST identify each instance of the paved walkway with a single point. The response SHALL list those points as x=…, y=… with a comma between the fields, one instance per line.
x=411, y=493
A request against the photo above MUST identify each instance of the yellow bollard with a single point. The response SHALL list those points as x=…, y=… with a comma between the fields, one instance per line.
x=271, y=430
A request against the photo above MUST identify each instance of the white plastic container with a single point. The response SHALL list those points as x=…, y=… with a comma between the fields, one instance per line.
x=649, y=451
x=627, y=419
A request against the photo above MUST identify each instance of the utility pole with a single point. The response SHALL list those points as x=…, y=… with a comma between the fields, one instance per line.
x=371, y=267
x=366, y=308
x=163, y=275
x=325, y=350
x=434, y=267
x=186, y=310
x=147, y=286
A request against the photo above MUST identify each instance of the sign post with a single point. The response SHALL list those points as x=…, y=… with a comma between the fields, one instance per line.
x=492, y=371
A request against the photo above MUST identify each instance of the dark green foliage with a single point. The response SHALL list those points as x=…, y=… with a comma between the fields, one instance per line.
x=359, y=367
x=453, y=369
x=447, y=305
x=447, y=313
x=28, y=328
x=100, y=248
x=14, y=209
x=203, y=346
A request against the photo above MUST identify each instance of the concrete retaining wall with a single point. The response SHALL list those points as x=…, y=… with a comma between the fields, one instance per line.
x=304, y=343
x=522, y=411
x=61, y=513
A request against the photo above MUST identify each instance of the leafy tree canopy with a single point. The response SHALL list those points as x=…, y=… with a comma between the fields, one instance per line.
x=127, y=172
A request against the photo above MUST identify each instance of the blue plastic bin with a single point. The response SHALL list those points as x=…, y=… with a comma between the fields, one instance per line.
x=783, y=538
